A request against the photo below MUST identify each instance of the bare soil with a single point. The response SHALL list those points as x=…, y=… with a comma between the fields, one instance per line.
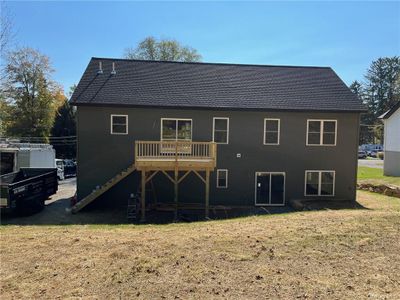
x=330, y=254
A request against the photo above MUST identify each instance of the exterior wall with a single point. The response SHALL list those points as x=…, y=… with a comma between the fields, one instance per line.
x=392, y=163
x=102, y=155
x=392, y=132
x=392, y=145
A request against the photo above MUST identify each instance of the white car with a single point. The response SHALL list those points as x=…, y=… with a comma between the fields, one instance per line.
x=60, y=169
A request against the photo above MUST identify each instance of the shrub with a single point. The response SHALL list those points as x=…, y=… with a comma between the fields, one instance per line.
x=380, y=155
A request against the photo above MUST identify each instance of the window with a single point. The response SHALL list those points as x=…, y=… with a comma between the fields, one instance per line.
x=222, y=178
x=119, y=124
x=221, y=130
x=320, y=183
x=176, y=129
x=321, y=132
x=271, y=131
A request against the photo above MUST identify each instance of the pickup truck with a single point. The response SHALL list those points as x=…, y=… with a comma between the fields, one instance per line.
x=25, y=191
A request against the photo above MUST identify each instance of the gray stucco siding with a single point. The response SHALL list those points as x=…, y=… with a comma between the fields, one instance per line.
x=102, y=155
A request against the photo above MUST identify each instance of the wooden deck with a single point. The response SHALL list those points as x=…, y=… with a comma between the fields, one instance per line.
x=152, y=157
x=168, y=155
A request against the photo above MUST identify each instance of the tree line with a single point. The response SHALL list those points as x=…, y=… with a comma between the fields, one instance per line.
x=379, y=91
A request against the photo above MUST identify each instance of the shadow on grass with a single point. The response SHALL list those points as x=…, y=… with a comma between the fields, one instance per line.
x=56, y=213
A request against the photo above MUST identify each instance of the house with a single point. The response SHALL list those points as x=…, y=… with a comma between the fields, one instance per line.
x=210, y=134
x=391, y=120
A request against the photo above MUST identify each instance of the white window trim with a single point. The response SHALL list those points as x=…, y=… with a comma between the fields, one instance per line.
x=227, y=130
x=176, y=119
x=270, y=178
x=111, y=127
x=322, y=132
x=227, y=174
x=319, y=183
x=279, y=131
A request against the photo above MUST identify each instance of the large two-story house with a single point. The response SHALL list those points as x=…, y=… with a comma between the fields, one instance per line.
x=210, y=134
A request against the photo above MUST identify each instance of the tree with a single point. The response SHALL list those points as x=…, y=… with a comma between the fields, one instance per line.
x=6, y=32
x=165, y=49
x=383, y=84
x=357, y=89
x=64, y=130
x=380, y=91
x=32, y=96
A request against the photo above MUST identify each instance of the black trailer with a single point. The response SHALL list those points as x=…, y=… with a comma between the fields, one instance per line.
x=25, y=191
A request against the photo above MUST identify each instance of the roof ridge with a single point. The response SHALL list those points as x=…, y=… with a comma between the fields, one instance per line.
x=207, y=63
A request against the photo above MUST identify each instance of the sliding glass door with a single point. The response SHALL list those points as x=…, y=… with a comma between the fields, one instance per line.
x=270, y=188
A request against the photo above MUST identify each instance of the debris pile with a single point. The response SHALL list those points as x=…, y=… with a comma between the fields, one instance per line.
x=387, y=190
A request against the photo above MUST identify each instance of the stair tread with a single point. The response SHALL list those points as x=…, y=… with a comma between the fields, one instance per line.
x=103, y=188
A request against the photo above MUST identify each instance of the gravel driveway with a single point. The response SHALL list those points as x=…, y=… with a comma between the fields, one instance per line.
x=55, y=211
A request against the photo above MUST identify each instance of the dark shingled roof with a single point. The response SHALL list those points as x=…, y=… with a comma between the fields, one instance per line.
x=390, y=112
x=213, y=86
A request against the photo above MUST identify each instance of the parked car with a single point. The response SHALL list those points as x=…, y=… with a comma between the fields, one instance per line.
x=373, y=153
x=371, y=149
x=362, y=154
x=69, y=168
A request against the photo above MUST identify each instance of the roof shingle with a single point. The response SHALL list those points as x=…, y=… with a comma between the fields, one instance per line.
x=213, y=86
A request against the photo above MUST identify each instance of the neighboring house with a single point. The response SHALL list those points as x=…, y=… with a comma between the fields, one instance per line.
x=391, y=120
x=281, y=132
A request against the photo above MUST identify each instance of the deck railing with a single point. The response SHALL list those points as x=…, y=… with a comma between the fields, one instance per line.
x=177, y=150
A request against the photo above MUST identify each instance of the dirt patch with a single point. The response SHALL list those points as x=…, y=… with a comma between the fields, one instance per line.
x=331, y=254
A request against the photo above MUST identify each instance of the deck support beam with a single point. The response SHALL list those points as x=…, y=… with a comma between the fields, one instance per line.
x=207, y=193
x=176, y=182
x=143, y=197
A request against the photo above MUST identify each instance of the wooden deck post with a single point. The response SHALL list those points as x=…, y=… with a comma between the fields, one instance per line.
x=143, y=197
x=207, y=192
x=176, y=194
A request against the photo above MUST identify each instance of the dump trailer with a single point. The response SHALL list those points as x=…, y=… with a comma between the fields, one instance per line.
x=25, y=191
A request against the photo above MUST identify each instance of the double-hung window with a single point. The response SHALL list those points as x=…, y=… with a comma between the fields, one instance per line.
x=320, y=183
x=272, y=131
x=221, y=130
x=176, y=129
x=119, y=124
x=321, y=132
x=222, y=178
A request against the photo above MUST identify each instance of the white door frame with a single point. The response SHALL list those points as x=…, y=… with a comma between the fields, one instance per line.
x=270, y=178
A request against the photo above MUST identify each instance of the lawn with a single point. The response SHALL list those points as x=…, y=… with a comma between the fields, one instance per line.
x=331, y=254
x=375, y=176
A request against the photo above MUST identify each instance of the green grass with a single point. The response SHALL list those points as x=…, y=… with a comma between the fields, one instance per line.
x=375, y=175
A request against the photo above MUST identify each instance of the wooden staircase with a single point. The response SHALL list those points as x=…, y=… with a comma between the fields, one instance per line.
x=104, y=188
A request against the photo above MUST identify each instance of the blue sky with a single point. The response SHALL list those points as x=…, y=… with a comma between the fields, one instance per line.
x=344, y=35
